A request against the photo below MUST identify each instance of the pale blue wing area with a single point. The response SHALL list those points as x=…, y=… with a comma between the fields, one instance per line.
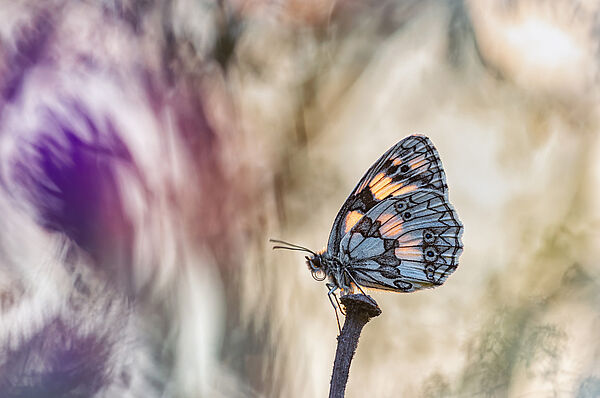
x=404, y=243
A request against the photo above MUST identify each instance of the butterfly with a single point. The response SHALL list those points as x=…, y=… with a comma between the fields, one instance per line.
x=397, y=230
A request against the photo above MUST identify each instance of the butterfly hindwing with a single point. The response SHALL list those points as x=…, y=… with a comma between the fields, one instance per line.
x=404, y=243
x=411, y=164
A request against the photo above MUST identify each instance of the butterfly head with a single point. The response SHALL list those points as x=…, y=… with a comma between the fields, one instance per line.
x=317, y=267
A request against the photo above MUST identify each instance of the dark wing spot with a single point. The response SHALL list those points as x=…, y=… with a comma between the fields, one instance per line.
x=364, y=201
x=403, y=285
x=389, y=272
x=390, y=244
x=367, y=228
x=362, y=226
x=387, y=260
x=374, y=230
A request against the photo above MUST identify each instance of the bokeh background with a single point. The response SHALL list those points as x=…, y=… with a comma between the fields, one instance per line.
x=149, y=149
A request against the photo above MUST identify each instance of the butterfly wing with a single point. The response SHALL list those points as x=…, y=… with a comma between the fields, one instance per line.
x=411, y=164
x=404, y=243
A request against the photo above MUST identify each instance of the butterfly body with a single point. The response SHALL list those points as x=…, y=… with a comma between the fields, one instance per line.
x=397, y=230
x=324, y=265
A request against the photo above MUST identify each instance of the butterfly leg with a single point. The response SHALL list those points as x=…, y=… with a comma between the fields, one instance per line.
x=342, y=309
x=332, y=288
x=360, y=288
x=337, y=303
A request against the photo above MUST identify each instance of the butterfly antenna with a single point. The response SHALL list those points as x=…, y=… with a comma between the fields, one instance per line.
x=290, y=246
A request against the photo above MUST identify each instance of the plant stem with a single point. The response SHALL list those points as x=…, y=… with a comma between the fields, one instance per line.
x=359, y=310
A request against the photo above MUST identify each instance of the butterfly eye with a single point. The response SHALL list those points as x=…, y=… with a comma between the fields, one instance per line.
x=318, y=274
x=407, y=215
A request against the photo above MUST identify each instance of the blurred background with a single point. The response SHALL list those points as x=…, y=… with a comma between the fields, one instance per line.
x=150, y=148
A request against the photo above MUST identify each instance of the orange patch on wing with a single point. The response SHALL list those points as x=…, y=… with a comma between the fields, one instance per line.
x=386, y=191
x=351, y=219
x=402, y=252
x=405, y=189
x=379, y=181
x=382, y=186
x=385, y=217
x=418, y=164
x=393, y=232
x=397, y=161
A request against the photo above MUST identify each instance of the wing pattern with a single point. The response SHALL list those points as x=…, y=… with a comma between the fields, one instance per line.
x=411, y=164
x=405, y=243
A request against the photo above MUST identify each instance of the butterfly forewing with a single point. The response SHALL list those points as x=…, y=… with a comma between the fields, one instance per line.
x=411, y=164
